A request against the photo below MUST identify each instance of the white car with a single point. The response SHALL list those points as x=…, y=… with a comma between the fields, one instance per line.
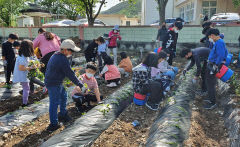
x=169, y=21
x=84, y=22
x=225, y=16
x=64, y=22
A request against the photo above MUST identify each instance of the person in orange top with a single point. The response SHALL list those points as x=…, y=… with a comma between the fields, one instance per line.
x=125, y=66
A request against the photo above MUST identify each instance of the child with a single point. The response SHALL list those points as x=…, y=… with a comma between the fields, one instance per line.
x=90, y=52
x=16, y=46
x=21, y=68
x=114, y=35
x=8, y=57
x=125, y=66
x=89, y=79
x=102, y=46
x=111, y=72
x=143, y=83
x=164, y=68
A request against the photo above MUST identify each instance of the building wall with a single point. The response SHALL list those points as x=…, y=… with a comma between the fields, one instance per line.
x=223, y=6
x=137, y=34
x=113, y=20
x=150, y=12
x=133, y=22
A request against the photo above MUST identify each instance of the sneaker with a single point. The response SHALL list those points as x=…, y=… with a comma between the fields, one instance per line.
x=66, y=118
x=210, y=106
x=201, y=93
x=207, y=100
x=44, y=90
x=52, y=128
x=152, y=106
x=113, y=84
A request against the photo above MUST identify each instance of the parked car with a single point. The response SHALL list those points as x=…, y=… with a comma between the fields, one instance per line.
x=64, y=22
x=169, y=21
x=224, y=18
x=84, y=22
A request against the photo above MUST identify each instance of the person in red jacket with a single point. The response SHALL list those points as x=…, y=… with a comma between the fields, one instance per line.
x=113, y=36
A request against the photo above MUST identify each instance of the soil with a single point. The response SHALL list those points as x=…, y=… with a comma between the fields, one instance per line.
x=122, y=133
x=34, y=133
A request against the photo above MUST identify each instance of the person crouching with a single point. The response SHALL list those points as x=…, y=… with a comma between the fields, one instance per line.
x=89, y=93
x=125, y=65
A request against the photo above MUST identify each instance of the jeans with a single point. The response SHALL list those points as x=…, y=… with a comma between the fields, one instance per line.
x=203, y=76
x=211, y=82
x=26, y=89
x=114, y=53
x=57, y=96
x=100, y=60
x=35, y=81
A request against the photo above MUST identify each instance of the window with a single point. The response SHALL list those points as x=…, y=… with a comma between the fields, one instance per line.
x=127, y=23
x=209, y=8
x=187, y=12
x=182, y=13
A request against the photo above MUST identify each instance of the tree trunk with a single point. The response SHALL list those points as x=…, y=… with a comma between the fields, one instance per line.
x=90, y=22
x=162, y=14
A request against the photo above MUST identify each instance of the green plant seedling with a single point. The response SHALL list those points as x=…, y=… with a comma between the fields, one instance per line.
x=182, y=109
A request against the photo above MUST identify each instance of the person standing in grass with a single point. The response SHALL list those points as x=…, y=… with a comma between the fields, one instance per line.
x=58, y=69
x=8, y=57
x=21, y=68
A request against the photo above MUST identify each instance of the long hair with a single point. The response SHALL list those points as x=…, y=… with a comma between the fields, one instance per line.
x=48, y=35
x=26, y=48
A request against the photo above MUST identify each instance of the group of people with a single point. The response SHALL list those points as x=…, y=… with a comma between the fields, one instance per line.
x=55, y=55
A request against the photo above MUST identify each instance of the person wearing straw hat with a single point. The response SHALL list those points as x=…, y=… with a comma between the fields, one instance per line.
x=113, y=36
x=59, y=68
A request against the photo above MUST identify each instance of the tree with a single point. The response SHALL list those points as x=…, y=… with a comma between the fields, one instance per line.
x=8, y=8
x=236, y=3
x=161, y=9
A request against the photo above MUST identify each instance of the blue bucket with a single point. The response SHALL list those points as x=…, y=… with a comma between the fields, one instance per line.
x=139, y=102
x=227, y=75
x=229, y=59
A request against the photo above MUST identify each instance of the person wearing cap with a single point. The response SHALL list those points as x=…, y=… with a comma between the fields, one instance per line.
x=197, y=56
x=170, y=41
x=59, y=68
x=113, y=36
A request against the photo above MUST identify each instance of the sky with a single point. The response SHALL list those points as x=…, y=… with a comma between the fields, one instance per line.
x=109, y=4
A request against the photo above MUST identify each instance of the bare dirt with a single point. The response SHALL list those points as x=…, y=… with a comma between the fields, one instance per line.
x=34, y=133
x=122, y=133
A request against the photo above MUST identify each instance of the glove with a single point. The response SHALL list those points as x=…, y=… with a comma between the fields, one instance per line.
x=184, y=72
x=4, y=62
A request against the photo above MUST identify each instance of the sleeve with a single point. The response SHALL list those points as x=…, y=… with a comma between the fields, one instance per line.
x=4, y=53
x=110, y=34
x=104, y=70
x=122, y=64
x=70, y=74
x=158, y=35
x=191, y=64
x=162, y=68
x=21, y=61
x=58, y=39
x=36, y=42
x=165, y=40
x=198, y=64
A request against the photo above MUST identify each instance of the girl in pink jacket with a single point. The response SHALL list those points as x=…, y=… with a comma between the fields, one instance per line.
x=113, y=36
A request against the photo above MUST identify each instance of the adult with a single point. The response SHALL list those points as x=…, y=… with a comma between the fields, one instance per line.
x=205, y=18
x=162, y=32
x=48, y=43
x=197, y=56
x=59, y=68
x=216, y=59
x=207, y=25
x=113, y=36
x=170, y=41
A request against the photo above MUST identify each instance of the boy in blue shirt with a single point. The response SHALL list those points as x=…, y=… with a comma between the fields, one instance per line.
x=216, y=59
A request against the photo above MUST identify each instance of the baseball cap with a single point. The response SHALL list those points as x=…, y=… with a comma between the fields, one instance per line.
x=69, y=44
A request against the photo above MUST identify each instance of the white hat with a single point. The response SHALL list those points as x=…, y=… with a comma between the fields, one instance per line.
x=69, y=44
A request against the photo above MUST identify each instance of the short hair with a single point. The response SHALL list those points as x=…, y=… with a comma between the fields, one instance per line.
x=16, y=43
x=162, y=55
x=213, y=31
x=206, y=24
x=91, y=65
x=179, y=19
x=123, y=55
x=26, y=48
x=178, y=24
x=41, y=30
x=108, y=60
x=13, y=36
x=151, y=60
x=100, y=39
x=184, y=52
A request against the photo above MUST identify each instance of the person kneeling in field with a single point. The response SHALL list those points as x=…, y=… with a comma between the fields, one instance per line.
x=91, y=91
x=125, y=65
x=143, y=83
